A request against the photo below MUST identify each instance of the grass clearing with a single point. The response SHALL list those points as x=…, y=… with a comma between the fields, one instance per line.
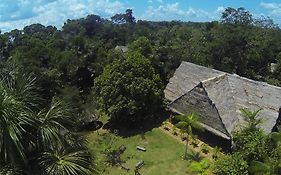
x=163, y=155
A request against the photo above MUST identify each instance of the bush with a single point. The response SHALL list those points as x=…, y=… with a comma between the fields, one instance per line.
x=200, y=167
x=251, y=144
x=216, y=152
x=231, y=165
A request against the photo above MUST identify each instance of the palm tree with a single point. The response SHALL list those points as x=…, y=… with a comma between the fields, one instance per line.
x=26, y=136
x=60, y=156
x=52, y=123
x=10, y=170
x=14, y=120
x=186, y=123
x=251, y=118
x=63, y=162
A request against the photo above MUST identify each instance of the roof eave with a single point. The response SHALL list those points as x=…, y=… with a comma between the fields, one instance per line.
x=208, y=128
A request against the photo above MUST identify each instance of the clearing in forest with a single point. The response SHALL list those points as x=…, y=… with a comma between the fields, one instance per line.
x=163, y=153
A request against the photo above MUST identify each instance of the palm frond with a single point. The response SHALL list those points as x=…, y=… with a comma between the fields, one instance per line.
x=14, y=120
x=195, y=122
x=59, y=114
x=251, y=117
x=65, y=163
x=179, y=117
x=22, y=86
x=16, y=92
x=52, y=123
x=246, y=112
x=10, y=170
x=181, y=125
x=187, y=122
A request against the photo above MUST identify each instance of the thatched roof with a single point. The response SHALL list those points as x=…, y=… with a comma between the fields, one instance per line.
x=228, y=93
x=123, y=49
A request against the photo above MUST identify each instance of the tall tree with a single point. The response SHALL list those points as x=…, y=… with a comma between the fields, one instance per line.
x=129, y=90
x=237, y=16
x=126, y=18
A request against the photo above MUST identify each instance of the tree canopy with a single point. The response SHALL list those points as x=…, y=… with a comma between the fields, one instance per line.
x=29, y=132
x=79, y=64
x=129, y=90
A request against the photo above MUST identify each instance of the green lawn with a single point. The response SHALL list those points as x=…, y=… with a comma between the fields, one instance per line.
x=163, y=155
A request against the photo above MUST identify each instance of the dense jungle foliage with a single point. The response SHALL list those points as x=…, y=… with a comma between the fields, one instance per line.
x=81, y=64
x=67, y=61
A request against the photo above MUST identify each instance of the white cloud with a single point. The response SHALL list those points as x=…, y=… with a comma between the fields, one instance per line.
x=268, y=5
x=175, y=12
x=275, y=8
x=220, y=9
x=158, y=1
x=54, y=12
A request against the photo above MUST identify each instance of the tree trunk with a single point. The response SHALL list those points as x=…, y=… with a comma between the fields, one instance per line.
x=186, y=145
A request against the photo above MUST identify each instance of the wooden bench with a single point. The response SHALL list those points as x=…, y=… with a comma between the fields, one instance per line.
x=141, y=148
x=122, y=149
x=125, y=167
x=139, y=164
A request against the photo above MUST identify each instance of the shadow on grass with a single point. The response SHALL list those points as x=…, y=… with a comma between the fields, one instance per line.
x=193, y=156
x=137, y=128
x=90, y=126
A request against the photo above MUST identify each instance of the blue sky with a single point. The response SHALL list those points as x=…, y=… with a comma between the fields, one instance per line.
x=19, y=13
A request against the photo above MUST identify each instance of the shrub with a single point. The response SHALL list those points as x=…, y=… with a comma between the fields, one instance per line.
x=216, y=152
x=200, y=167
x=231, y=165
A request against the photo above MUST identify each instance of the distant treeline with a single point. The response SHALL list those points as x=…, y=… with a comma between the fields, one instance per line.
x=67, y=61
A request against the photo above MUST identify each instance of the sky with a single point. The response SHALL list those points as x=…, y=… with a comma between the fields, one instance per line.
x=19, y=13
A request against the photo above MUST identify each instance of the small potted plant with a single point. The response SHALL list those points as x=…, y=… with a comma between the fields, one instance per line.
x=205, y=149
x=195, y=141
